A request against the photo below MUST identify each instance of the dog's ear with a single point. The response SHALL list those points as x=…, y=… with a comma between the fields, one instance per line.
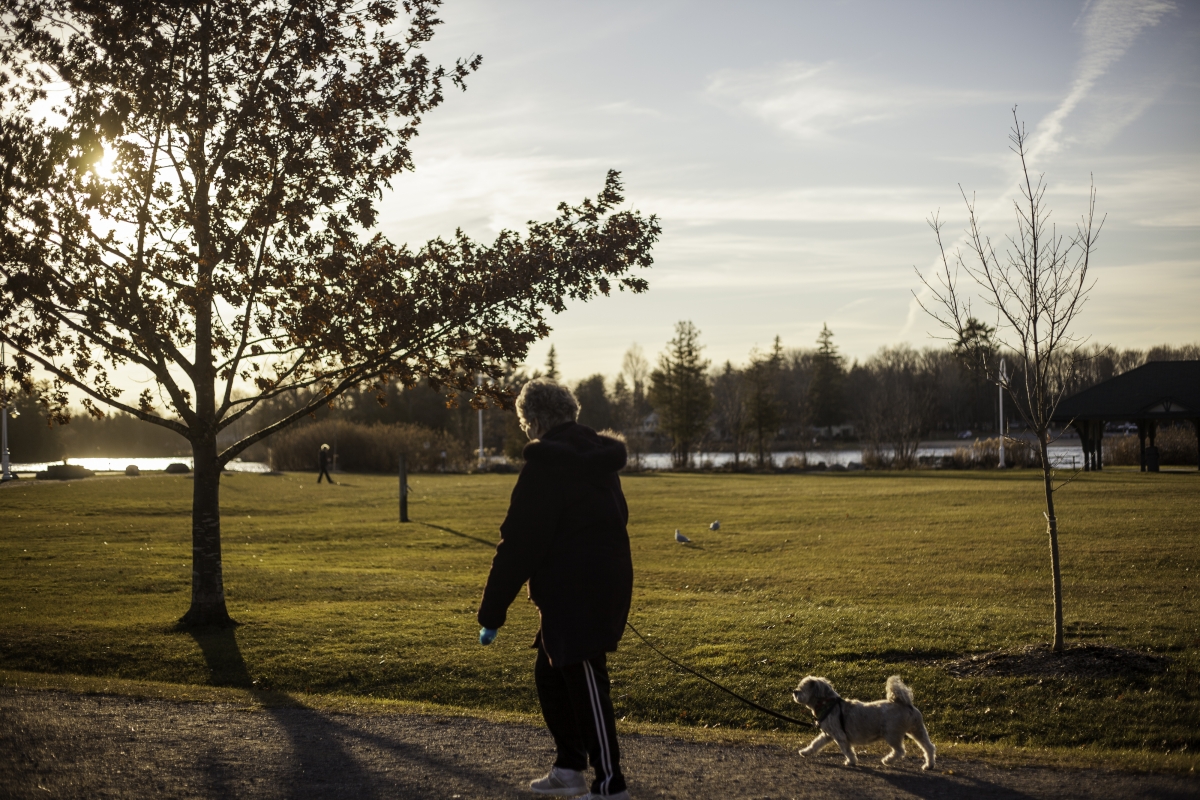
x=823, y=688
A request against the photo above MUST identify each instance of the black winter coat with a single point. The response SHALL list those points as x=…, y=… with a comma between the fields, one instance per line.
x=565, y=534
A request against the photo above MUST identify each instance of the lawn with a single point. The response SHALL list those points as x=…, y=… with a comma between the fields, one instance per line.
x=851, y=576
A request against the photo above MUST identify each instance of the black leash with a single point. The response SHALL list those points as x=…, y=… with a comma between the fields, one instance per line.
x=745, y=700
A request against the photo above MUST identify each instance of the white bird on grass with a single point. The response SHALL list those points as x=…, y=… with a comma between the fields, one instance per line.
x=679, y=537
x=716, y=526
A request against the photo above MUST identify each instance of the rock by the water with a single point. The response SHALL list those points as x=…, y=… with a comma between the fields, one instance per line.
x=64, y=472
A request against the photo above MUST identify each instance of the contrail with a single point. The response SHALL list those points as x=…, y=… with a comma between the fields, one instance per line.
x=1109, y=28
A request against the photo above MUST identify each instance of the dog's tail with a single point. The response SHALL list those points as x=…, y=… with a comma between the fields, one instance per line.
x=897, y=692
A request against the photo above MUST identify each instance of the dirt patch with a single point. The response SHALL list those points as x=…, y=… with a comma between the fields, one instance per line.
x=1076, y=661
x=61, y=744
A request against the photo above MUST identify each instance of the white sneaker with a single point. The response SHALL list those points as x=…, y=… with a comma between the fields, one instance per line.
x=618, y=796
x=560, y=782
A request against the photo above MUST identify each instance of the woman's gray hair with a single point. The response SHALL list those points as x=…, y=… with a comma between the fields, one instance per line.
x=546, y=404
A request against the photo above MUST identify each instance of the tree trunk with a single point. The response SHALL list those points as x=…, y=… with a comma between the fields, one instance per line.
x=1052, y=529
x=682, y=455
x=208, y=587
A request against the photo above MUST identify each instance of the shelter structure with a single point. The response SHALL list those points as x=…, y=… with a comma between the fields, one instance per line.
x=1154, y=393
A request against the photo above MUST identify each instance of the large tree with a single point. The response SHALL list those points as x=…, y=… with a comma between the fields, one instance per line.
x=595, y=406
x=899, y=402
x=680, y=393
x=825, y=403
x=729, y=409
x=764, y=409
x=188, y=189
x=629, y=404
x=1036, y=288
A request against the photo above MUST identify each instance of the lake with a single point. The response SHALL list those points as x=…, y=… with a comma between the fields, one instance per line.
x=1061, y=455
x=143, y=463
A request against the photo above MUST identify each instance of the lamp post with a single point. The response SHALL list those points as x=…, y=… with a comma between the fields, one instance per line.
x=5, y=472
x=479, y=382
x=1002, y=377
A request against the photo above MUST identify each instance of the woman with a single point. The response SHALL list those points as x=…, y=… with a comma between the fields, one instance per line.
x=565, y=535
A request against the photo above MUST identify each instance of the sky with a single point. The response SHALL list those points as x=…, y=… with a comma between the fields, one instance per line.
x=794, y=152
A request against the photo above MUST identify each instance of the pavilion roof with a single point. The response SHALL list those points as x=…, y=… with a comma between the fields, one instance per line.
x=1162, y=390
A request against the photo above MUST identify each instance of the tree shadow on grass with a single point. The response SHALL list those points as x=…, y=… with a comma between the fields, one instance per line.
x=478, y=539
x=227, y=668
x=320, y=764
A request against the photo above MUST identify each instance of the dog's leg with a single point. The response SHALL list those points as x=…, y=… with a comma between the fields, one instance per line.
x=848, y=752
x=843, y=742
x=816, y=744
x=921, y=737
x=897, y=750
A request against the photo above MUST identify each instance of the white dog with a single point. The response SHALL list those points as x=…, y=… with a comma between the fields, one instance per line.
x=850, y=723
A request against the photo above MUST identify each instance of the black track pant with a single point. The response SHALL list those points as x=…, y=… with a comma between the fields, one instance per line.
x=579, y=713
x=324, y=473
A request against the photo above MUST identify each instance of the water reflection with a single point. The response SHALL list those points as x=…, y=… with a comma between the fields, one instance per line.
x=142, y=463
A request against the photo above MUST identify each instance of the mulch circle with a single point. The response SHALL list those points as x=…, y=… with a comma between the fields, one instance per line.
x=1079, y=660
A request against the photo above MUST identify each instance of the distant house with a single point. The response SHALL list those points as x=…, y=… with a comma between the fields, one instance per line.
x=844, y=431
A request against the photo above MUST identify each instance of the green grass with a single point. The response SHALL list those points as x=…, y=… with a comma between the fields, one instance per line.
x=854, y=577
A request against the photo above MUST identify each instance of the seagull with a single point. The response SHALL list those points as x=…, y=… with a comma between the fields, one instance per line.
x=716, y=526
x=679, y=537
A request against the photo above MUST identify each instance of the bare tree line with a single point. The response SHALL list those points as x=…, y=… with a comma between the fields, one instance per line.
x=887, y=402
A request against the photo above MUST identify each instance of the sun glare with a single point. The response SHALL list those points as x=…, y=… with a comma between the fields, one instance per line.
x=104, y=167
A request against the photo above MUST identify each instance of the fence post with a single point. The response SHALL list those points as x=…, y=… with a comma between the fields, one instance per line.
x=403, y=490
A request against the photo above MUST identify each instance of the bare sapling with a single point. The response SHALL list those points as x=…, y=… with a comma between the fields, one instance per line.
x=1036, y=288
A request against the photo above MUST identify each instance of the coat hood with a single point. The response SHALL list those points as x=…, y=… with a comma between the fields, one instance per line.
x=578, y=449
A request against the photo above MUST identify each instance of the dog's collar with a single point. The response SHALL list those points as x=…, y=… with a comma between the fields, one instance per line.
x=825, y=708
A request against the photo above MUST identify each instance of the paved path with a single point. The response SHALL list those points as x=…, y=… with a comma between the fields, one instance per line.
x=58, y=744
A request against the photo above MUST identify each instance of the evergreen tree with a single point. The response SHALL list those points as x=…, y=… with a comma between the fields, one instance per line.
x=595, y=406
x=764, y=411
x=976, y=345
x=680, y=393
x=552, y=364
x=825, y=392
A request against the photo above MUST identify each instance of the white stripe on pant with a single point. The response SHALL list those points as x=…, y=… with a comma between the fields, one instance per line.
x=601, y=733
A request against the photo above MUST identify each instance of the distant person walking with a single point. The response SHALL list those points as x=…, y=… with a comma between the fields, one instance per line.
x=324, y=458
x=565, y=535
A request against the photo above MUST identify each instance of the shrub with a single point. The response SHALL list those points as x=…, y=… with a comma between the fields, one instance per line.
x=986, y=453
x=876, y=458
x=1176, y=445
x=370, y=448
x=796, y=462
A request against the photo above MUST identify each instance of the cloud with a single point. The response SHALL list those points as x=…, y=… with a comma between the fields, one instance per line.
x=483, y=194
x=858, y=204
x=1154, y=196
x=812, y=101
